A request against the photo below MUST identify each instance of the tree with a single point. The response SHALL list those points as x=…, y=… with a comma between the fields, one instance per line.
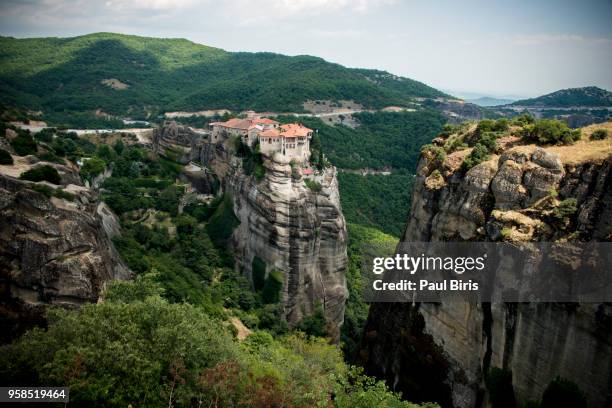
x=550, y=131
x=92, y=167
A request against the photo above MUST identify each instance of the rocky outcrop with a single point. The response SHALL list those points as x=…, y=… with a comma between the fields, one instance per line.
x=296, y=231
x=287, y=225
x=292, y=229
x=180, y=142
x=511, y=197
x=52, y=251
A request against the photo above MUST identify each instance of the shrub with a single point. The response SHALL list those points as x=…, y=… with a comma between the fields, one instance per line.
x=5, y=157
x=479, y=154
x=434, y=153
x=566, y=208
x=92, y=167
x=42, y=173
x=523, y=119
x=550, y=131
x=313, y=185
x=24, y=144
x=563, y=393
x=499, y=385
x=271, y=318
x=599, y=134
x=314, y=325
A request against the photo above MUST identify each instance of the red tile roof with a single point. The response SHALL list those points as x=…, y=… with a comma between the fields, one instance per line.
x=244, y=124
x=295, y=130
x=274, y=132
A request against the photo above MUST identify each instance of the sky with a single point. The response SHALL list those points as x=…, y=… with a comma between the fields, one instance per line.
x=500, y=48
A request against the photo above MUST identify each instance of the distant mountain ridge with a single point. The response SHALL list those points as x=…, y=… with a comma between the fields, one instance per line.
x=587, y=96
x=119, y=74
x=489, y=101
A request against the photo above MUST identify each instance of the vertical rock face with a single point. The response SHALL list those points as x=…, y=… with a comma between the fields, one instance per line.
x=295, y=230
x=511, y=197
x=185, y=143
x=52, y=251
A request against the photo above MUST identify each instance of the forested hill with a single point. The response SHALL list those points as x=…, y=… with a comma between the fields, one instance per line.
x=121, y=74
x=587, y=96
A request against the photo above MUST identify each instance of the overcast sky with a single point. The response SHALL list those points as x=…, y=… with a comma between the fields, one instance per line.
x=524, y=48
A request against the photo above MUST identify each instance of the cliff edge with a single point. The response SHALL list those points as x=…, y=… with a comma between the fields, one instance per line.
x=516, y=192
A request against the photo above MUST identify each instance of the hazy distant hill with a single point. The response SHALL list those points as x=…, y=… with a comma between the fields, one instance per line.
x=489, y=101
x=120, y=73
x=587, y=96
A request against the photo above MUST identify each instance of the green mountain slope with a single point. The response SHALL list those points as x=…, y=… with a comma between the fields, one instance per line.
x=587, y=96
x=59, y=75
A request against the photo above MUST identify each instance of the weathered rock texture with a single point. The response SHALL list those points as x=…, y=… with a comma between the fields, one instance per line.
x=291, y=228
x=52, y=251
x=181, y=142
x=296, y=231
x=441, y=351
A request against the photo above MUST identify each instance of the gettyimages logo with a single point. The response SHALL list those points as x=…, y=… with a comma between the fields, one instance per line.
x=412, y=265
x=489, y=272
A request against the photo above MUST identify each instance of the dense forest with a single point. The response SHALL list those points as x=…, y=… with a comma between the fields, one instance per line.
x=376, y=200
x=142, y=77
x=382, y=139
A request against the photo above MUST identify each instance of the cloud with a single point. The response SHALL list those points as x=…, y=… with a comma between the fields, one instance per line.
x=118, y=5
x=246, y=12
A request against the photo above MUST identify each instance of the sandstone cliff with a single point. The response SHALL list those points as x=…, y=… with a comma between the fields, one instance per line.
x=442, y=351
x=52, y=250
x=284, y=223
x=297, y=231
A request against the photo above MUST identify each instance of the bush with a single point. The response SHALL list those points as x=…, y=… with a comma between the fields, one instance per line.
x=563, y=393
x=565, y=209
x=550, y=131
x=599, y=134
x=314, y=325
x=434, y=153
x=499, y=385
x=42, y=173
x=523, y=119
x=92, y=167
x=314, y=186
x=479, y=154
x=5, y=157
x=24, y=144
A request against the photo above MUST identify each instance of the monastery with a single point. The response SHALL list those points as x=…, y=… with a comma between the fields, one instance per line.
x=285, y=142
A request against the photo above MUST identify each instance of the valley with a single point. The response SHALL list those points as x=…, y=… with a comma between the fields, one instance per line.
x=186, y=226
